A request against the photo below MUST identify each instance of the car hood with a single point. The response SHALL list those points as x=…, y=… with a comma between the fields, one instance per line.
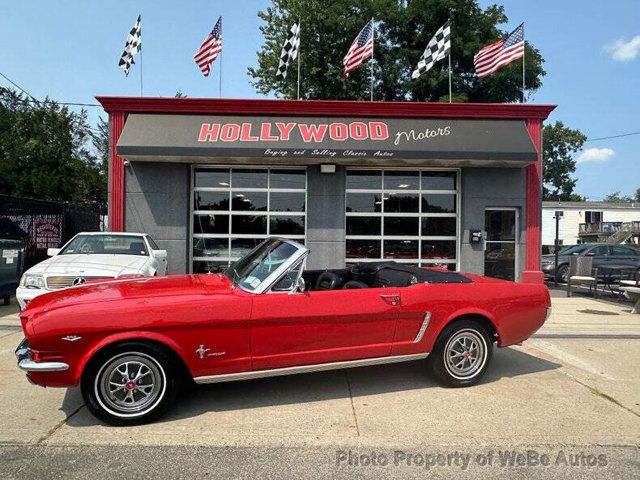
x=90, y=265
x=145, y=288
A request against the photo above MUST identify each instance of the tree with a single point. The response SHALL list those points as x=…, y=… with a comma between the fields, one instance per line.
x=558, y=146
x=46, y=151
x=404, y=27
x=615, y=197
x=637, y=197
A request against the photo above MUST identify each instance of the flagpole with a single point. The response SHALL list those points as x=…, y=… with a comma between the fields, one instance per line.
x=299, y=53
x=524, y=48
x=373, y=40
x=449, y=62
x=220, y=79
x=141, y=56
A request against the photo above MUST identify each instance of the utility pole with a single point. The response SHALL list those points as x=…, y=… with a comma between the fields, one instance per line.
x=558, y=215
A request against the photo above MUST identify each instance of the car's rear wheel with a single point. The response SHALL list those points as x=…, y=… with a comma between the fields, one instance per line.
x=130, y=384
x=462, y=353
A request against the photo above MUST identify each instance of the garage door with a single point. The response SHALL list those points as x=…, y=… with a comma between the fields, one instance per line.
x=404, y=215
x=234, y=209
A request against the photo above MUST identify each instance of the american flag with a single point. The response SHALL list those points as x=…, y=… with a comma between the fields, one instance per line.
x=210, y=49
x=360, y=49
x=498, y=54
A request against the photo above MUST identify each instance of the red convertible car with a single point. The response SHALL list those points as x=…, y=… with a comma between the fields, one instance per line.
x=130, y=344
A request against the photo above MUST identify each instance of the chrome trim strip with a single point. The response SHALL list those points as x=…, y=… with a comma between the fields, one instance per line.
x=320, y=367
x=423, y=327
x=29, y=365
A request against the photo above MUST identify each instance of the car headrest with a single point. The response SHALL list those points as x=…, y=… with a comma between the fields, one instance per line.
x=354, y=284
x=328, y=281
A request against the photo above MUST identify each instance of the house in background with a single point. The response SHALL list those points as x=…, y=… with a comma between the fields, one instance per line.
x=589, y=222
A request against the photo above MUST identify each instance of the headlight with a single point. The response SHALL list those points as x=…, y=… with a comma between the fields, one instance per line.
x=32, y=281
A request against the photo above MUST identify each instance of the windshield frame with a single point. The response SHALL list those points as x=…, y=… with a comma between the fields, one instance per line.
x=142, y=238
x=575, y=249
x=300, y=252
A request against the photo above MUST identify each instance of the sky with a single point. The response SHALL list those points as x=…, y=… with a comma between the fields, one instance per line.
x=68, y=50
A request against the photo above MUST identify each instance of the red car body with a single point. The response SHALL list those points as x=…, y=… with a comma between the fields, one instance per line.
x=244, y=332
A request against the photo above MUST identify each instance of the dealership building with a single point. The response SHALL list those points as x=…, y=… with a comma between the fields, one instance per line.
x=432, y=184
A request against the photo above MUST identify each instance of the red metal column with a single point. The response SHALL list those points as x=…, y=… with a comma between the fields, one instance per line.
x=532, y=272
x=116, y=183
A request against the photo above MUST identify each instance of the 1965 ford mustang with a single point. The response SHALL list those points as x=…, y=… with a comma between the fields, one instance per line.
x=130, y=344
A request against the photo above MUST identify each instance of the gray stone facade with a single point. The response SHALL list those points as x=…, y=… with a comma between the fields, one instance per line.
x=157, y=199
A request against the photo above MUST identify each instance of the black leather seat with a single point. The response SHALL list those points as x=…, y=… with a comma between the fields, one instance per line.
x=354, y=284
x=328, y=281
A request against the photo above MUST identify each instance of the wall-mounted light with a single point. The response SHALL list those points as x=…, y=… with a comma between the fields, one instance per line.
x=327, y=168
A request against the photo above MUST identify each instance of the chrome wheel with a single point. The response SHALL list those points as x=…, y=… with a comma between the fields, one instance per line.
x=130, y=384
x=465, y=354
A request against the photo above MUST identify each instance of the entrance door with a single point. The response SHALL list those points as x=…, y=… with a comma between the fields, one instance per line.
x=501, y=253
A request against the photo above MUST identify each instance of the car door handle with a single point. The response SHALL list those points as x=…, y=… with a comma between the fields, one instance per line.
x=391, y=299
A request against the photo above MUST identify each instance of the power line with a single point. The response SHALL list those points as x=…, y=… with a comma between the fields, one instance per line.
x=613, y=136
x=35, y=100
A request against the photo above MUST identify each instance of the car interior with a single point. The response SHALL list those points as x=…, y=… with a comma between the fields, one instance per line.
x=376, y=275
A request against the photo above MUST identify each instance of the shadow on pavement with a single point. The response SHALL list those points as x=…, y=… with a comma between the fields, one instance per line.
x=321, y=386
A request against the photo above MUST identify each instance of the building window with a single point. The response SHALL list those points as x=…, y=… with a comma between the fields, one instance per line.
x=404, y=215
x=592, y=217
x=234, y=209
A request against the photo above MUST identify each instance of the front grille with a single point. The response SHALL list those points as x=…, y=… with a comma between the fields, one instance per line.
x=65, y=281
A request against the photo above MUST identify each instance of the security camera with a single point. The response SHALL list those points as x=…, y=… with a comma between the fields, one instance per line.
x=126, y=163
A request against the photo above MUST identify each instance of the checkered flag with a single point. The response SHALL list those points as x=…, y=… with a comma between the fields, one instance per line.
x=289, y=51
x=437, y=49
x=131, y=47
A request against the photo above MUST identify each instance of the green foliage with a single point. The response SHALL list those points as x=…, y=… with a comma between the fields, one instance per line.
x=47, y=151
x=558, y=146
x=403, y=30
x=615, y=197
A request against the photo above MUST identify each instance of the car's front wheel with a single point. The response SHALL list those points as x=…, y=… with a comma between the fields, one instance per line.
x=461, y=354
x=130, y=384
x=563, y=274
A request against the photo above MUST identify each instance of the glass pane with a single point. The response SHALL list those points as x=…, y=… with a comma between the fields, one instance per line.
x=364, y=202
x=400, y=249
x=291, y=225
x=363, y=248
x=401, y=180
x=438, y=226
x=446, y=266
x=241, y=246
x=500, y=224
x=435, y=203
x=249, y=224
x=442, y=249
x=499, y=260
x=288, y=179
x=363, y=226
x=218, y=177
x=402, y=203
x=249, y=201
x=401, y=226
x=438, y=180
x=287, y=202
x=364, y=179
x=211, y=247
x=209, y=267
x=212, y=223
x=211, y=200
x=249, y=178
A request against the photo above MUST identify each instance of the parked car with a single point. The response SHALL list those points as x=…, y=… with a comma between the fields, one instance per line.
x=92, y=256
x=603, y=254
x=130, y=344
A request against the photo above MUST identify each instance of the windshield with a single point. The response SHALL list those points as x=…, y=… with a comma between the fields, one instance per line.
x=574, y=250
x=253, y=269
x=106, y=245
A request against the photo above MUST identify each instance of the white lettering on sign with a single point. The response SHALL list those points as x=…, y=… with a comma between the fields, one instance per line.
x=413, y=136
x=9, y=255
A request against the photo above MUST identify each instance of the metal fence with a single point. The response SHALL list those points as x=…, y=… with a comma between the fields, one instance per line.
x=42, y=224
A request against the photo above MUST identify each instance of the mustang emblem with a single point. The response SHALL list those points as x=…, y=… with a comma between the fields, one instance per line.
x=79, y=281
x=201, y=351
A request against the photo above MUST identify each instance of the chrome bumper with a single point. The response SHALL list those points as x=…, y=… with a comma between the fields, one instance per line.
x=26, y=364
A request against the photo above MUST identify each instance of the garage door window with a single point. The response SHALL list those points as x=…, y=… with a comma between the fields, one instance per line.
x=407, y=216
x=234, y=209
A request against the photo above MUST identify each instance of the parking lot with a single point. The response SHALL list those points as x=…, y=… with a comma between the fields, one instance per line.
x=569, y=395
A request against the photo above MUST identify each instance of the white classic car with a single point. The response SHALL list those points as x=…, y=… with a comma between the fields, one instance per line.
x=92, y=256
